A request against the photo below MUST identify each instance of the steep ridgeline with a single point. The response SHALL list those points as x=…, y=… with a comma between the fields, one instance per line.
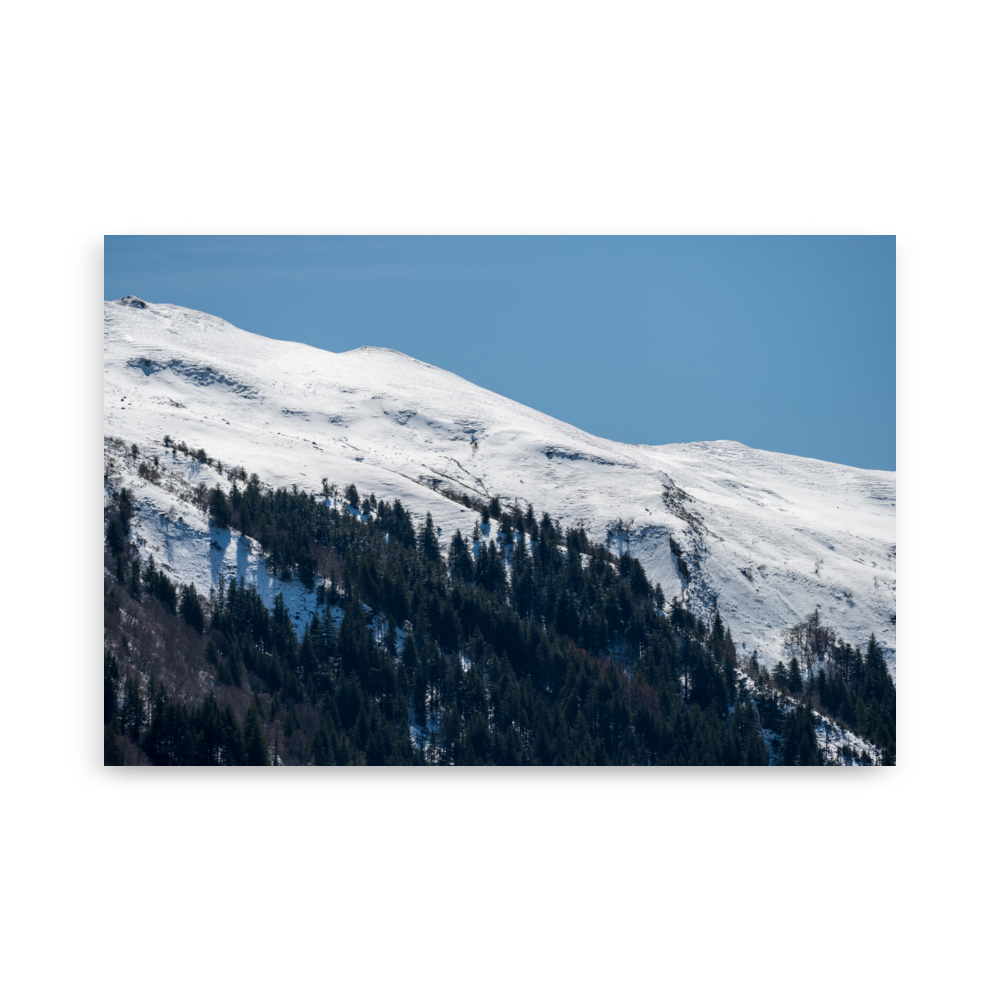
x=767, y=539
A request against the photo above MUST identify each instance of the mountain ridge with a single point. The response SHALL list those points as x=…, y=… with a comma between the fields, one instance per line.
x=752, y=532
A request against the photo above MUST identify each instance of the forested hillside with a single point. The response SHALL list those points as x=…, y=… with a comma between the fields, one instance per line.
x=520, y=641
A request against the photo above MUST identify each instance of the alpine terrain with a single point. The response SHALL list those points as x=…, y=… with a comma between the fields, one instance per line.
x=361, y=558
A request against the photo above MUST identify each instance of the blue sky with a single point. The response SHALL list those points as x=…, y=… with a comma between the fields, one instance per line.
x=783, y=343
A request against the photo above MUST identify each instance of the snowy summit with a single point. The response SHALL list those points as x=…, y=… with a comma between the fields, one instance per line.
x=767, y=538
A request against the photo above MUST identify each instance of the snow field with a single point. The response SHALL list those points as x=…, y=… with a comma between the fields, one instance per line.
x=770, y=537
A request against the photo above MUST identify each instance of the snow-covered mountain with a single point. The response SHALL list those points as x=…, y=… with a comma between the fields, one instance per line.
x=770, y=537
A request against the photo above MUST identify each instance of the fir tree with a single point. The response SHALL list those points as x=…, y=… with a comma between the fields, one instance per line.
x=112, y=676
x=459, y=560
x=218, y=508
x=254, y=742
x=115, y=537
x=428, y=540
x=191, y=610
x=133, y=712
x=794, y=676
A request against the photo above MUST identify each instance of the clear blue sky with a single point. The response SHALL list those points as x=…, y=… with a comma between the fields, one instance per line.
x=783, y=343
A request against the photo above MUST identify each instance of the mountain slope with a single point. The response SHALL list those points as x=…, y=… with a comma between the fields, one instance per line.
x=772, y=537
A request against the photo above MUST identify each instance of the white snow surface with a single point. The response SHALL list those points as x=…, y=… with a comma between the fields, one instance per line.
x=183, y=543
x=770, y=537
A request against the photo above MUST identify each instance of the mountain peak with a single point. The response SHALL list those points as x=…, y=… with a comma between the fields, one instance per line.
x=764, y=537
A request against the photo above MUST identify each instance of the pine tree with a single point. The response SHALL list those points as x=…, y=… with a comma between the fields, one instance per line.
x=254, y=741
x=529, y=520
x=230, y=670
x=115, y=536
x=218, y=508
x=212, y=655
x=133, y=710
x=112, y=677
x=191, y=610
x=459, y=560
x=409, y=658
x=794, y=676
x=428, y=540
x=798, y=739
x=754, y=751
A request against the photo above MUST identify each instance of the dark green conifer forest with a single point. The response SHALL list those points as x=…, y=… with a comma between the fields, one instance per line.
x=523, y=643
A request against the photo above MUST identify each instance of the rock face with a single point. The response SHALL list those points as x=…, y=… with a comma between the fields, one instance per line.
x=767, y=538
